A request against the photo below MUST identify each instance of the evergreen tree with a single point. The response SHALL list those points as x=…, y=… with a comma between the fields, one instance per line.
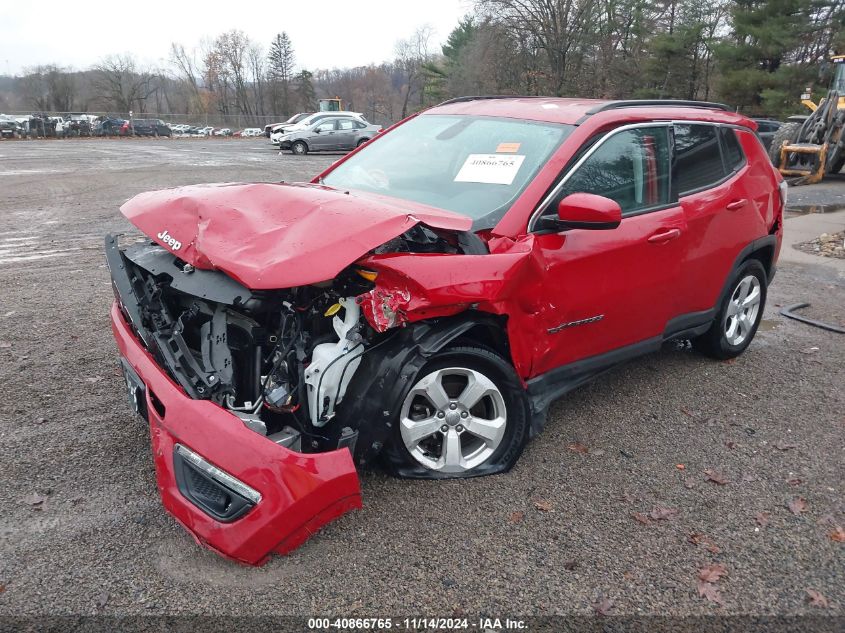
x=280, y=72
x=306, y=97
x=775, y=49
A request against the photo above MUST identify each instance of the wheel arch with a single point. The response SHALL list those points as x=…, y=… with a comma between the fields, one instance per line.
x=381, y=382
x=763, y=250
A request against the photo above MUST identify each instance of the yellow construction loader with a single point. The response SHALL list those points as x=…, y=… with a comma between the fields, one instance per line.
x=809, y=147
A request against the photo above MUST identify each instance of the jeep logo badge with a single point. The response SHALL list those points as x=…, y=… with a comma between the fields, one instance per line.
x=168, y=239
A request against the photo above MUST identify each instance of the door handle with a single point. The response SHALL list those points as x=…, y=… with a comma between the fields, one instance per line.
x=736, y=204
x=664, y=235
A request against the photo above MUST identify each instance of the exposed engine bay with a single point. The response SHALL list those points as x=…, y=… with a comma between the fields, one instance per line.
x=280, y=360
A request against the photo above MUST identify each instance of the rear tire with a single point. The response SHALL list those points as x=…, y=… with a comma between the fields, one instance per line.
x=739, y=314
x=786, y=132
x=299, y=148
x=479, y=401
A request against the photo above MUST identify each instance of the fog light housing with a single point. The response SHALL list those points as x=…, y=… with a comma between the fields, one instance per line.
x=212, y=490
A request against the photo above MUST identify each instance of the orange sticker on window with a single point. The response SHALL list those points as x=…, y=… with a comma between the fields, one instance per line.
x=508, y=148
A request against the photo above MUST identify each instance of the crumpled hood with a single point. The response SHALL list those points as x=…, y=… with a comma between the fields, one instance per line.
x=276, y=235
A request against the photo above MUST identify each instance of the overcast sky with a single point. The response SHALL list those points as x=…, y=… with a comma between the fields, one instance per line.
x=325, y=33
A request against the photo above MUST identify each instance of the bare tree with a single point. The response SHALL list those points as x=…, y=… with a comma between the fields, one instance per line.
x=120, y=83
x=411, y=54
x=187, y=70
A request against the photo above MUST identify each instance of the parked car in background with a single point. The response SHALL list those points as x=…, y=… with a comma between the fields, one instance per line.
x=251, y=131
x=275, y=127
x=59, y=123
x=78, y=125
x=206, y=131
x=328, y=134
x=429, y=297
x=151, y=127
x=224, y=131
x=107, y=126
x=9, y=127
x=310, y=120
x=766, y=129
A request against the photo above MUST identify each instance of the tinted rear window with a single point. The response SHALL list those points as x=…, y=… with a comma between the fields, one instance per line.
x=699, y=160
x=732, y=150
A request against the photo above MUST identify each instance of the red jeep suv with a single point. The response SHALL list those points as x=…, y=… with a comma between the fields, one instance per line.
x=426, y=298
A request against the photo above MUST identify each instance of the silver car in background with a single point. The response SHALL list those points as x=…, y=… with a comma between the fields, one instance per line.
x=329, y=134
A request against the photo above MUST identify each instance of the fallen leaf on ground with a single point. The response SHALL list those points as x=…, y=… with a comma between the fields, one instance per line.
x=569, y=565
x=680, y=466
x=794, y=481
x=5, y=345
x=837, y=535
x=712, y=573
x=797, y=505
x=730, y=445
x=101, y=600
x=93, y=379
x=34, y=499
x=516, y=516
x=577, y=447
x=639, y=517
x=687, y=412
x=816, y=599
x=689, y=483
x=784, y=447
x=544, y=506
x=711, y=592
x=2, y=588
x=659, y=513
x=603, y=606
x=716, y=478
x=762, y=519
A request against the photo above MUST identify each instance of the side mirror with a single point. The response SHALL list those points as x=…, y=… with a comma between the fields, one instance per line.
x=588, y=211
x=317, y=130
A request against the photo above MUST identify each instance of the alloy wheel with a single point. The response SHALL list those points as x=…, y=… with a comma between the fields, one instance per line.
x=743, y=307
x=453, y=420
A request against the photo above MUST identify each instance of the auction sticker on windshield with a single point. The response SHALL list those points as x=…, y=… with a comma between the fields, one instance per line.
x=493, y=169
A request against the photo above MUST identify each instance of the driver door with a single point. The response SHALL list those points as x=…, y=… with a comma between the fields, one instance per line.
x=323, y=137
x=615, y=289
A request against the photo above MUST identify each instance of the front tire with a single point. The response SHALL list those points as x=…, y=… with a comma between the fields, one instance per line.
x=739, y=314
x=465, y=414
x=299, y=148
x=787, y=132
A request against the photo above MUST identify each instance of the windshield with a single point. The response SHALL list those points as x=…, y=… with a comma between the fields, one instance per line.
x=475, y=166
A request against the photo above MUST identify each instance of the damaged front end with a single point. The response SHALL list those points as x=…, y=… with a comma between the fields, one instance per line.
x=262, y=399
x=222, y=368
x=220, y=373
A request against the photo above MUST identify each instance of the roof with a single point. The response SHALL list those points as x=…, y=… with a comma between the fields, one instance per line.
x=576, y=111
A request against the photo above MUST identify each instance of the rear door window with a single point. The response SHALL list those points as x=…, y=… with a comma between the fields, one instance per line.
x=631, y=167
x=698, y=157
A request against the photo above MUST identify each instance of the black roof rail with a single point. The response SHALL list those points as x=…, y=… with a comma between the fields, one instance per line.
x=634, y=103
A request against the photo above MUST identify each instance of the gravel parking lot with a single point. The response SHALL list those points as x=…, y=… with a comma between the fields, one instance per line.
x=642, y=479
